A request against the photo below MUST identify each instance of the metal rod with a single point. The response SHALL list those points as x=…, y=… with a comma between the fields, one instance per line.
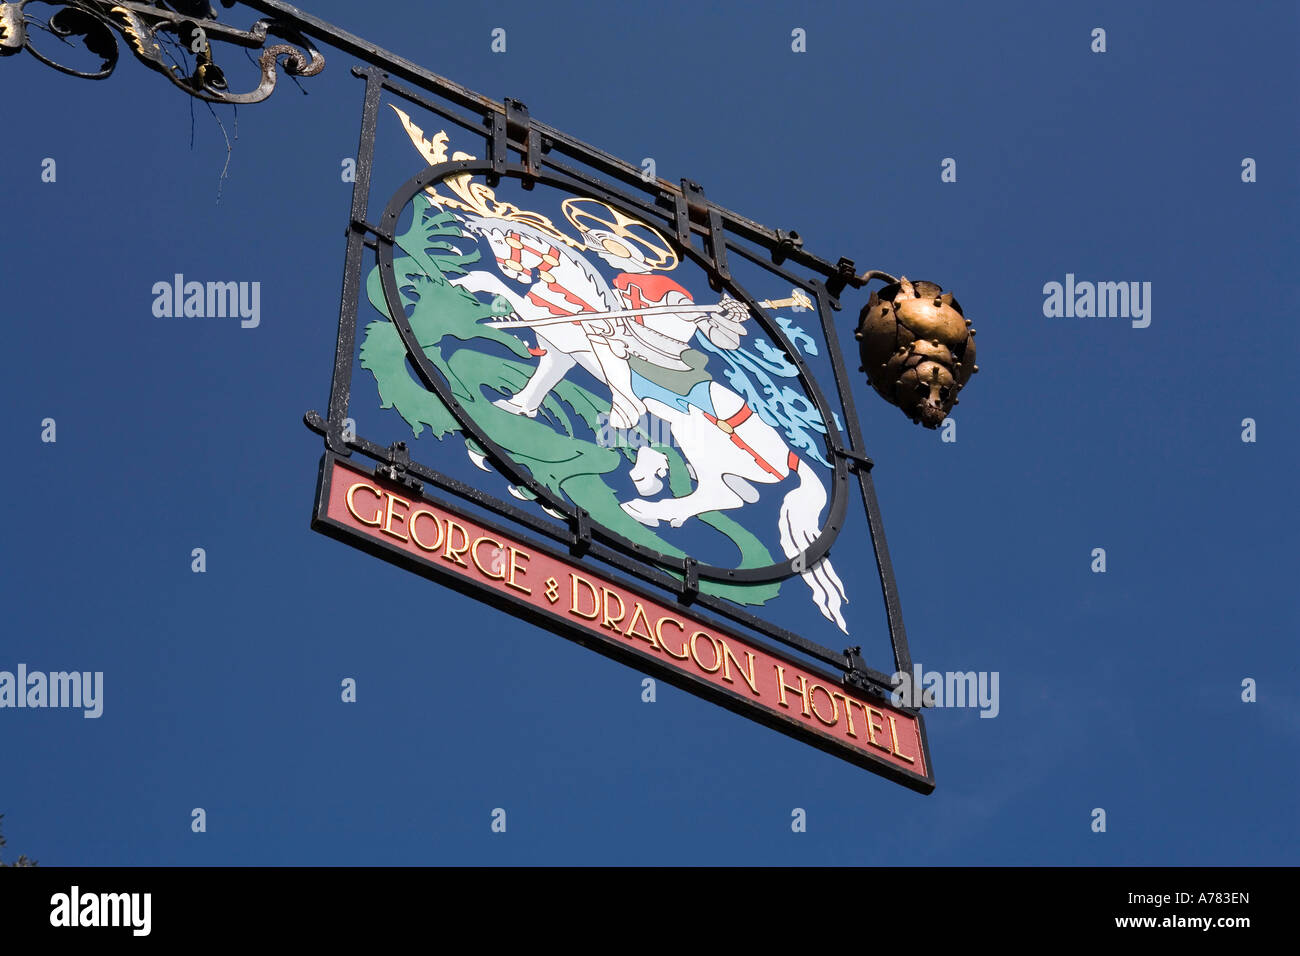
x=334, y=36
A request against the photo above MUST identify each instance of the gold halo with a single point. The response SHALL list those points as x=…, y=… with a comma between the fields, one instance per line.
x=585, y=213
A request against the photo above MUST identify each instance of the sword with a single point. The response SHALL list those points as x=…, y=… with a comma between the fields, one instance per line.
x=797, y=300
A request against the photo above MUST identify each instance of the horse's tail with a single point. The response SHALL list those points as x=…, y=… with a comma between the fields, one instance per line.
x=800, y=511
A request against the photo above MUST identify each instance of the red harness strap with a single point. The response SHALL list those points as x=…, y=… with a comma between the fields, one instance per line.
x=735, y=421
x=729, y=426
x=549, y=260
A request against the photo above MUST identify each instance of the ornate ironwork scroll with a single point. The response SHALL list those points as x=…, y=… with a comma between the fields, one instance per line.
x=173, y=39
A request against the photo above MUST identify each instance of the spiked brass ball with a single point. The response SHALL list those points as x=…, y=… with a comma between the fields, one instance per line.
x=917, y=348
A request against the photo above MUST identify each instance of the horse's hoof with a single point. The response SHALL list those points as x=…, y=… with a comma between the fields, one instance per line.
x=647, y=474
x=509, y=405
x=636, y=508
x=648, y=485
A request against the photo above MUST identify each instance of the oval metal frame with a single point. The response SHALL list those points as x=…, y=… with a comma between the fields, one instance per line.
x=515, y=473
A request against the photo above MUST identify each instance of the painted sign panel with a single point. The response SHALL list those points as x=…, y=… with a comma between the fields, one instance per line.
x=539, y=354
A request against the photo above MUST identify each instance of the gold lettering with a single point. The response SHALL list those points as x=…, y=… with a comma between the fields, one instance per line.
x=516, y=567
x=728, y=657
x=782, y=687
x=659, y=635
x=455, y=554
x=638, y=614
x=848, y=711
x=871, y=727
x=611, y=622
x=717, y=653
x=849, y=704
x=595, y=597
x=893, y=732
x=390, y=514
x=498, y=576
x=812, y=700
x=410, y=524
x=353, y=507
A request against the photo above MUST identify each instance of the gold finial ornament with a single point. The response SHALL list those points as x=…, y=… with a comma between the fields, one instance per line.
x=917, y=349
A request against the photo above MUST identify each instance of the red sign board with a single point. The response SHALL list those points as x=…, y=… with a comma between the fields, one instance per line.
x=623, y=622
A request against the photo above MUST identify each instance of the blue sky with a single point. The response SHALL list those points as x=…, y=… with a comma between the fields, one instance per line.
x=1119, y=691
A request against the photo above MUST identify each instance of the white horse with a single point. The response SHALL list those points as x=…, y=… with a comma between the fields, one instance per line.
x=728, y=449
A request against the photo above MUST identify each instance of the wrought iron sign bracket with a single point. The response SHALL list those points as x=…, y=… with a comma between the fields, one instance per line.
x=691, y=208
x=855, y=460
x=95, y=21
x=581, y=541
x=865, y=678
x=856, y=671
x=145, y=28
x=514, y=127
x=331, y=431
x=846, y=274
x=519, y=128
x=398, y=460
x=690, y=580
x=787, y=243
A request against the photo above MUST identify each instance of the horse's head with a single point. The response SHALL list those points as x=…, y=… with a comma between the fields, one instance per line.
x=521, y=253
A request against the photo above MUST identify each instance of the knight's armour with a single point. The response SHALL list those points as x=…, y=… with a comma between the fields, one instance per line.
x=663, y=344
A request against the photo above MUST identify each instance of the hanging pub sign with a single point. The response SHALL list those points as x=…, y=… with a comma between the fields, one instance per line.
x=605, y=405
x=587, y=396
